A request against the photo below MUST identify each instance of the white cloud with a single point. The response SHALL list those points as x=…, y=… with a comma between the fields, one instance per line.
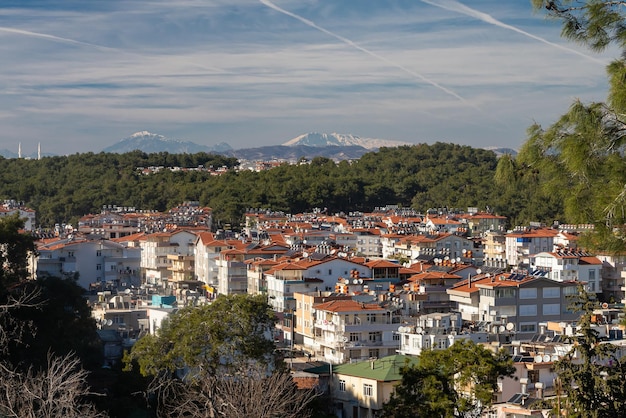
x=246, y=73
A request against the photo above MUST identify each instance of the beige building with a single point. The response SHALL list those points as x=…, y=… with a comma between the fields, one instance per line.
x=361, y=389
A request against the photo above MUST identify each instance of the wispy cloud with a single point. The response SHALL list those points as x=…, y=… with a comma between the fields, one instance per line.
x=455, y=6
x=52, y=38
x=365, y=50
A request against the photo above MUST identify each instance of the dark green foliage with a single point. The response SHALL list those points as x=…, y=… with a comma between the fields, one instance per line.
x=456, y=382
x=592, y=375
x=62, y=189
x=15, y=248
x=225, y=334
x=580, y=159
x=63, y=324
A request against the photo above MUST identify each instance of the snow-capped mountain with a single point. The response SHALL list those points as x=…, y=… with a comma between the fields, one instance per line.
x=315, y=139
x=149, y=142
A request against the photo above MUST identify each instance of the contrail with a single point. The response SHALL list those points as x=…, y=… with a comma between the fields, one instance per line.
x=360, y=48
x=455, y=6
x=100, y=47
x=52, y=37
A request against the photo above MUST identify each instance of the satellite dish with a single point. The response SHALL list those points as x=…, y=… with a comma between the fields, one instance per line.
x=478, y=271
x=109, y=322
x=510, y=326
x=538, y=358
x=458, y=259
x=464, y=251
x=127, y=291
x=419, y=330
x=360, y=281
x=546, y=358
x=501, y=329
x=554, y=357
x=355, y=281
x=605, y=305
x=401, y=329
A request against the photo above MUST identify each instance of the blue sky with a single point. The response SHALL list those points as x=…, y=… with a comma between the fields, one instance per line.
x=80, y=75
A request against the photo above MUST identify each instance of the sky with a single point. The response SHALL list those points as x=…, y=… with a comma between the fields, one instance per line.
x=78, y=76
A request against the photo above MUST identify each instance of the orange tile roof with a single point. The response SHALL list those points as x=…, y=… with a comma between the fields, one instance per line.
x=432, y=275
x=382, y=264
x=347, y=306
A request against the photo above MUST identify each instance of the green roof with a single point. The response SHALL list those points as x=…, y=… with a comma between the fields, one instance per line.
x=386, y=369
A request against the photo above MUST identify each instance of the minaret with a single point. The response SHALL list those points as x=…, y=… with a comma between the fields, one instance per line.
x=39, y=151
x=19, y=150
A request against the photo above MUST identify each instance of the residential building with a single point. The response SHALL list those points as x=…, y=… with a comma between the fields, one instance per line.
x=28, y=215
x=361, y=389
x=433, y=285
x=96, y=263
x=612, y=273
x=347, y=330
x=479, y=224
x=435, y=331
x=524, y=242
x=494, y=248
x=513, y=298
x=156, y=247
x=566, y=265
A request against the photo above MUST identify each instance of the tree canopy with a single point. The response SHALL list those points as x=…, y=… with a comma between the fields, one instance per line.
x=231, y=331
x=212, y=360
x=62, y=189
x=578, y=162
x=455, y=382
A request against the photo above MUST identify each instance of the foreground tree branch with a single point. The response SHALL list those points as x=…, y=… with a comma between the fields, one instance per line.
x=57, y=392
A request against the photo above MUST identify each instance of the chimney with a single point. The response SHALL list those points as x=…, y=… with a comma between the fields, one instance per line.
x=539, y=387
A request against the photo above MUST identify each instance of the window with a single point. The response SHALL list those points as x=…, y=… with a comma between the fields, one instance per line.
x=551, y=292
x=396, y=337
x=373, y=353
x=416, y=342
x=533, y=376
x=371, y=317
x=570, y=290
x=354, y=336
x=342, y=385
x=112, y=267
x=528, y=293
x=98, y=266
x=527, y=327
x=551, y=308
x=375, y=336
x=505, y=293
x=528, y=310
x=99, y=253
x=368, y=390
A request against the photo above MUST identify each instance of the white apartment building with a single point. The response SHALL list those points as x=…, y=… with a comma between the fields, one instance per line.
x=524, y=242
x=96, y=262
x=346, y=330
x=435, y=331
x=155, y=249
x=570, y=265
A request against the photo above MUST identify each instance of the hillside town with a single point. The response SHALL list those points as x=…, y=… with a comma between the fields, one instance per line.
x=356, y=295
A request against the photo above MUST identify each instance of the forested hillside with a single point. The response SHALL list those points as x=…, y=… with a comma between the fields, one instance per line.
x=61, y=189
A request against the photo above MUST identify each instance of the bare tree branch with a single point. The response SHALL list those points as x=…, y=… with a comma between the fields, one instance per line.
x=57, y=392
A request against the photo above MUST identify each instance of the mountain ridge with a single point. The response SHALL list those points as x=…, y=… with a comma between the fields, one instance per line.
x=334, y=145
